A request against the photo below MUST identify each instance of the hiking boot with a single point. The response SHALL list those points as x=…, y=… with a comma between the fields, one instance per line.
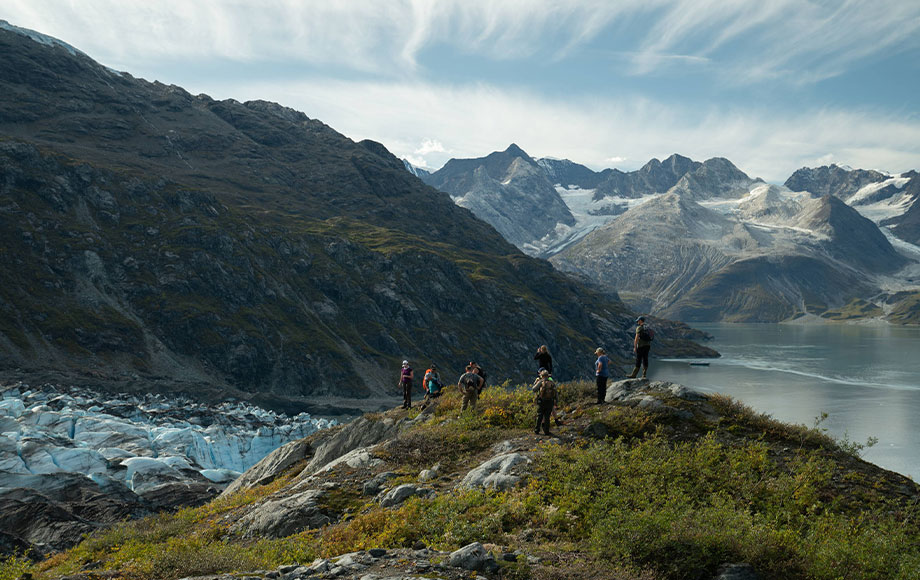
x=633, y=374
x=645, y=373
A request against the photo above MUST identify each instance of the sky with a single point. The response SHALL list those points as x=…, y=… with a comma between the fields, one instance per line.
x=772, y=85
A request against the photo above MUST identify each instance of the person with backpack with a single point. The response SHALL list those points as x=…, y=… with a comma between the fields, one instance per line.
x=642, y=343
x=602, y=372
x=470, y=384
x=405, y=381
x=544, y=389
x=544, y=359
x=432, y=385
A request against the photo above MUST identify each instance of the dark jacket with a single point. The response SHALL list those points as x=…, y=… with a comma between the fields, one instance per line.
x=545, y=359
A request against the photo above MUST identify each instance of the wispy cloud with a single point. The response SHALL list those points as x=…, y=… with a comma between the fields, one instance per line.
x=800, y=39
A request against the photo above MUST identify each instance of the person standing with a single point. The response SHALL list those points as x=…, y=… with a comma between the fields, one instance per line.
x=544, y=359
x=431, y=384
x=642, y=344
x=602, y=372
x=545, y=389
x=405, y=380
x=470, y=384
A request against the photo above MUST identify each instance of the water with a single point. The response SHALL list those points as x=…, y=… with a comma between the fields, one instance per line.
x=866, y=378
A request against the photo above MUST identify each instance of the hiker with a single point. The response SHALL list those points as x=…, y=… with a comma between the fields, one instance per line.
x=432, y=385
x=602, y=371
x=642, y=343
x=470, y=384
x=544, y=359
x=405, y=380
x=555, y=413
x=545, y=398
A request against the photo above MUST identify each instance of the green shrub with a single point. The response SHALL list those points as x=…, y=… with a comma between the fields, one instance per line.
x=13, y=567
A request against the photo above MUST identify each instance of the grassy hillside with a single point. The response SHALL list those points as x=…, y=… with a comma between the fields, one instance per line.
x=665, y=484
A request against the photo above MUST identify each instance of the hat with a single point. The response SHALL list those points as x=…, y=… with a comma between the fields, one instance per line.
x=541, y=370
x=640, y=319
x=405, y=363
x=434, y=366
x=544, y=373
x=599, y=350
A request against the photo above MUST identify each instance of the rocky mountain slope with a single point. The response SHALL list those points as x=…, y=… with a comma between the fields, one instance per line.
x=155, y=239
x=510, y=191
x=762, y=253
x=635, y=488
x=770, y=256
x=555, y=202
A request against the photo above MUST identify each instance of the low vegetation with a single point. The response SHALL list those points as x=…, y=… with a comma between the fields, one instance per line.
x=657, y=498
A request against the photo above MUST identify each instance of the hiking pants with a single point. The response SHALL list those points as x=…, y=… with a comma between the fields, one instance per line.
x=469, y=399
x=544, y=410
x=642, y=356
x=407, y=394
x=601, y=389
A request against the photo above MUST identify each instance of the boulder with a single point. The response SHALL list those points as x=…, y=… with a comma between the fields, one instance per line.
x=355, y=459
x=737, y=572
x=401, y=493
x=473, y=557
x=280, y=517
x=374, y=486
x=362, y=432
x=266, y=470
x=500, y=472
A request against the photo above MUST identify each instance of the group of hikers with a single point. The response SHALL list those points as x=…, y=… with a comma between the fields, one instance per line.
x=473, y=380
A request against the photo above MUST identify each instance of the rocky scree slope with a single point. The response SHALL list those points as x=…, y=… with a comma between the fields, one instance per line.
x=661, y=482
x=152, y=237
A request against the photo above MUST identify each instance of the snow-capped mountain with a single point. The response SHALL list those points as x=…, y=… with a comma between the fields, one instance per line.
x=704, y=241
x=545, y=205
x=771, y=255
x=511, y=192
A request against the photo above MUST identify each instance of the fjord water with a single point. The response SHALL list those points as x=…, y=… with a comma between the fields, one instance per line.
x=865, y=377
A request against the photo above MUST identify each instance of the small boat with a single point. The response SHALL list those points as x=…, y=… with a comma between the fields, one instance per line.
x=699, y=364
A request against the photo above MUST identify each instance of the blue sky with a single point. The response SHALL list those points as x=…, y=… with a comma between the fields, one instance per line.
x=772, y=85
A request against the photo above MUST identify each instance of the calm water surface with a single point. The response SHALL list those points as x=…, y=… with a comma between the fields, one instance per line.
x=867, y=378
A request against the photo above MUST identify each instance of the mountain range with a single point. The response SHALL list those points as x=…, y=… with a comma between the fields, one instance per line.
x=703, y=241
x=153, y=239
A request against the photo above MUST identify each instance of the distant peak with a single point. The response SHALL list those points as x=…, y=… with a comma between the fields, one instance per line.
x=513, y=149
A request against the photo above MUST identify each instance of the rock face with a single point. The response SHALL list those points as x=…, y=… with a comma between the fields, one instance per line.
x=832, y=180
x=510, y=191
x=224, y=247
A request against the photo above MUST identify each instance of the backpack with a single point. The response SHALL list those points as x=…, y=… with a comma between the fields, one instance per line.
x=547, y=390
x=471, y=383
x=646, y=334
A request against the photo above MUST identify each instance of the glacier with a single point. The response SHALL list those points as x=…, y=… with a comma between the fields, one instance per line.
x=137, y=441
